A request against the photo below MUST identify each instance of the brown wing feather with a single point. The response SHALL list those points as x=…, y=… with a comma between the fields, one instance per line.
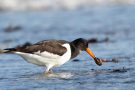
x=51, y=46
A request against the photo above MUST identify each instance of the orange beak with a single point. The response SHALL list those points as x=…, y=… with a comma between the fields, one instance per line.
x=97, y=60
x=90, y=53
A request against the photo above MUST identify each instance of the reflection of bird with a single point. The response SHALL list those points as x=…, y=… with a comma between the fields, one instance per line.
x=52, y=53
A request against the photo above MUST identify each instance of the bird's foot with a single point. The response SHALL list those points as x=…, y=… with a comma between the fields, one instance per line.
x=48, y=72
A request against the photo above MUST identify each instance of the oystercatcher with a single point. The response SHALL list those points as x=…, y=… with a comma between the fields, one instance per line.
x=52, y=53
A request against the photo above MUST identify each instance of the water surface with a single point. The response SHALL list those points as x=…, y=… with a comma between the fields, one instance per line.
x=114, y=22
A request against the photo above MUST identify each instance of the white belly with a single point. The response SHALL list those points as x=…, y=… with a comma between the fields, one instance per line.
x=45, y=58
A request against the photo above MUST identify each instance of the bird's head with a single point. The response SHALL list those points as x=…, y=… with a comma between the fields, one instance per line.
x=82, y=45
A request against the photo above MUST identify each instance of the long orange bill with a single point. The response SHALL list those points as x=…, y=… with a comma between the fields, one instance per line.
x=90, y=53
x=97, y=60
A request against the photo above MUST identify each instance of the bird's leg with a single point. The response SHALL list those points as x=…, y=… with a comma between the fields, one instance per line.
x=48, y=70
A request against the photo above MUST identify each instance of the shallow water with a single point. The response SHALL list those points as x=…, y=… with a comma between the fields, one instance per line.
x=114, y=22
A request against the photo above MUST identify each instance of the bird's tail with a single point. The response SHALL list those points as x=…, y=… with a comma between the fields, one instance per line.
x=9, y=50
x=2, y=51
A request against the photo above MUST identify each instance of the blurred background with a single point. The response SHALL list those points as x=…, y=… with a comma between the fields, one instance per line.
x=107, y=24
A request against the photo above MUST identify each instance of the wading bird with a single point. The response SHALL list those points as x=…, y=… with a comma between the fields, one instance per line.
x=52, y=53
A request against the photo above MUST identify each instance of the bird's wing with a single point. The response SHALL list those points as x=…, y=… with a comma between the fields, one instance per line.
x=49, y=46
